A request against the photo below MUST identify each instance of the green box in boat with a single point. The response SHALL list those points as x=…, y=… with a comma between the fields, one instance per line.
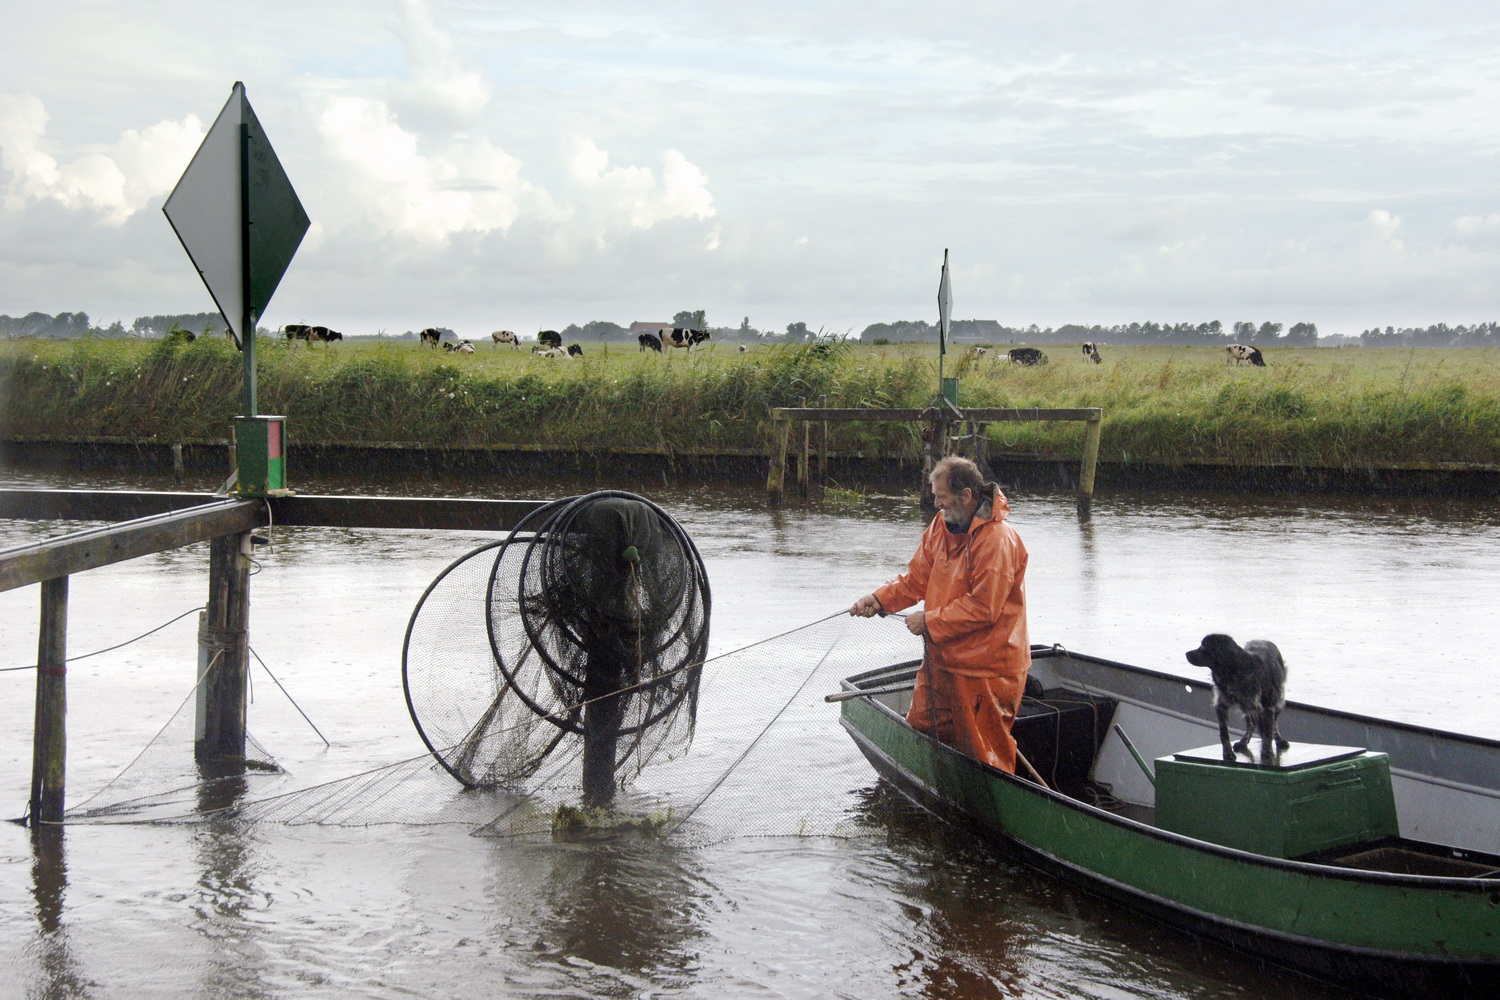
x=1314, y=798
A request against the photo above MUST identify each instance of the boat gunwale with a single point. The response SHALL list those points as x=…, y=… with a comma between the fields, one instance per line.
x=1469, y=885
x=1213, y=925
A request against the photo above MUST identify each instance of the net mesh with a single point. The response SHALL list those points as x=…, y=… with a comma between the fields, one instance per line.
x=761, y=764
x=588, y=623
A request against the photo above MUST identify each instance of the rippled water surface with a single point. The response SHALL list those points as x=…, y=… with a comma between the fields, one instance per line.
x=1381, y=607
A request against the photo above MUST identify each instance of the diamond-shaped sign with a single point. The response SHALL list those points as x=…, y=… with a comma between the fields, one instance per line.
x=237, y=216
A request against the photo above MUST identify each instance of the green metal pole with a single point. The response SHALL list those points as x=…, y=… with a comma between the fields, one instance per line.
x=247, y=316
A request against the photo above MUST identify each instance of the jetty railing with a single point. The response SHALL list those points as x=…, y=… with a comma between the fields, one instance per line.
x=938, y=437
x=158, y=522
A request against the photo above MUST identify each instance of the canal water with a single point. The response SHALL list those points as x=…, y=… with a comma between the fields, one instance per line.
x=1380, y=605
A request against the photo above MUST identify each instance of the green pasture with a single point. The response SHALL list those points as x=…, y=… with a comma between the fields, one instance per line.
x=1314, y=407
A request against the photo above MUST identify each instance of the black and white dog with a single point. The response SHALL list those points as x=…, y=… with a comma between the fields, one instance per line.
x=1252, y=679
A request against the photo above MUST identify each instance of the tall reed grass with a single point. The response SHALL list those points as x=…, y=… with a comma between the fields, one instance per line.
x=1335, y=408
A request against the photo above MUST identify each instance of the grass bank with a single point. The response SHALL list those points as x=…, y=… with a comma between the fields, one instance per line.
x=1341, y=408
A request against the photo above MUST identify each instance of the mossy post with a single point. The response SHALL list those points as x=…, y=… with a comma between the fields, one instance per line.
x=823, y=447
x=804, y=431
x=50, y=734
x=223, y=654
x=1091, y=430
x=776, y=473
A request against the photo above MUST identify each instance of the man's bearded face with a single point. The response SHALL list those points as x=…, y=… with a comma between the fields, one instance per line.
x=957, y=508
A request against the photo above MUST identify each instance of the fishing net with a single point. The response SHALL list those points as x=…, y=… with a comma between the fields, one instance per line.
x=561, y=676
x=766, y=761
x=584, y=630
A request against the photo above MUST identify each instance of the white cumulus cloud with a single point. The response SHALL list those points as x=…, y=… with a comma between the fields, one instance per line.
x=465, y=185
x=441, y=90
x=613, y=198
x=142, y=165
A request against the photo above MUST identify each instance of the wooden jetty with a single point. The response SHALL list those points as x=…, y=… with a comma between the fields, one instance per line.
x=940, y=421
x=149, y=522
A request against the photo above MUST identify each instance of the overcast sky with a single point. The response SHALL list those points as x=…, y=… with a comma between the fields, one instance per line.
x=484, y=165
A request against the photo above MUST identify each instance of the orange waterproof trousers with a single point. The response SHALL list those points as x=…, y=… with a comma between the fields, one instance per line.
x=971, y=714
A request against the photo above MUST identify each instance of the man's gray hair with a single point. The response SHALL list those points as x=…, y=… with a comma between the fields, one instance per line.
x=959, y=473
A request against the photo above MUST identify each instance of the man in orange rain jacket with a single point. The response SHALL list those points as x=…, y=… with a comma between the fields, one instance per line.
x=969, y=571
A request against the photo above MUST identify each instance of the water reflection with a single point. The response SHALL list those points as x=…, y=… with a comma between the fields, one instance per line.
x=56, y=966
x=233, y=964
x=631, y=905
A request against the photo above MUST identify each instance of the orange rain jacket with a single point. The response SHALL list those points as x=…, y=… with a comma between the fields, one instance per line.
x=977, y=649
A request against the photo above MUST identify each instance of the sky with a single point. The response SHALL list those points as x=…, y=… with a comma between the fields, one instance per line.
x=488, y=165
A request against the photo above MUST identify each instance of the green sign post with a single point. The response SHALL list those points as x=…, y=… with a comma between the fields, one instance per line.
x=238, y=218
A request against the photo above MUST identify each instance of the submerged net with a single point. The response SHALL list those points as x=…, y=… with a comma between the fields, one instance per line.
x=766, y=760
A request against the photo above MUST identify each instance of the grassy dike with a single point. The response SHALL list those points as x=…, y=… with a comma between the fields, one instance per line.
x=1334, y=408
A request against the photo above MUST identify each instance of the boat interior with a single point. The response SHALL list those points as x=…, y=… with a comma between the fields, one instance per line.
x=1329, y=805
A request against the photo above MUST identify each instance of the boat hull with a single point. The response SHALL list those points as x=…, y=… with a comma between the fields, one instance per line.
x=1382, y=933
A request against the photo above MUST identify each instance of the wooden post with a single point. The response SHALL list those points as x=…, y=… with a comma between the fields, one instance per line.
x=823, y=448
x=177, y=467
x=49, y=750
x=802, y=441
x=223, y=653
x=776, y=474
x=1090, y=461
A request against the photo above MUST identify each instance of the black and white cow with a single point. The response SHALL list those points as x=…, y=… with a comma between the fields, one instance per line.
x=649, y=340
x=1091, y=352
x=329, y=336
x=575, y=350
x=464, y=347
x=680, y=337
x=551, y=353
x=299, y=331
x=549, y=338
x=506, y=337
x=431, y=335
x=1239, y=353
x=1026, y=356
x=975, y=353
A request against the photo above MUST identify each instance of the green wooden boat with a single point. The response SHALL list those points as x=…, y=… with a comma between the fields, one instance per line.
x=1367, y=855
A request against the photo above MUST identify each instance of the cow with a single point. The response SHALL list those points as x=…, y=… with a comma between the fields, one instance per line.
x=744, y=349
x=551, y=353
x=1027, y=357
x=549, y=338
x=506, y=337
x=575, y=350
x=464, y=347
x=431, y=335
x=329, y=336
x=1239, y=353
x=1091, y=352
x=680, y=337
x=298, y=331
x=650, y=340
x=975, y=353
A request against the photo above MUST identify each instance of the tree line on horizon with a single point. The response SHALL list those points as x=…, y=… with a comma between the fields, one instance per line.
x=68, y=325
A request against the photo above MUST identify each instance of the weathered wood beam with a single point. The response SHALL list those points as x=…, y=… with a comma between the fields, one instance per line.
x=49, y=749
x=94, y=505
x=436, y=513
x=95, y=547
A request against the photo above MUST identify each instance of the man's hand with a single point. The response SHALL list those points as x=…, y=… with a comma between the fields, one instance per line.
x=916, y=622
x=866, y=607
